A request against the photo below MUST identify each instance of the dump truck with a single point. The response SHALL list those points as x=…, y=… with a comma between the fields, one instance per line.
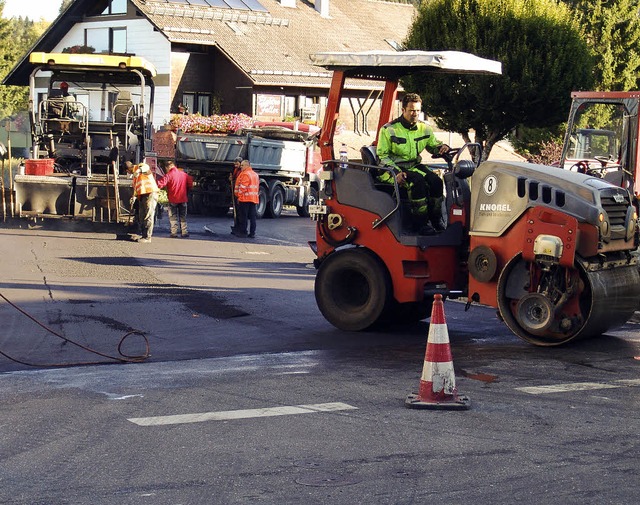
x=552, y=250
x=282, y=154
x=602, y=137
x=95, y=114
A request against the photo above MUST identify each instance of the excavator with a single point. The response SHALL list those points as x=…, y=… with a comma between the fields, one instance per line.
x=552, y=250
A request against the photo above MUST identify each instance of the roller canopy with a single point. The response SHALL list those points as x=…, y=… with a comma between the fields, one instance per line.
x=391, y=64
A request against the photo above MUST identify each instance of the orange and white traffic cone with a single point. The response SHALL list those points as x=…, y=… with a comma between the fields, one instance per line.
x=438, y=382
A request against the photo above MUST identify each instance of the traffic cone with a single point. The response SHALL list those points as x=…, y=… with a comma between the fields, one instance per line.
x=438, y=382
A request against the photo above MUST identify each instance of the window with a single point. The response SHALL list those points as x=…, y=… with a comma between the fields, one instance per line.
x=98, y=38
x=116, y=7
x=118, y=40
x=197, y=103
x=106, y=40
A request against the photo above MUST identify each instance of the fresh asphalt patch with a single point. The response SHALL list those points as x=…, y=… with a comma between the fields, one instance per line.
x=200, y=301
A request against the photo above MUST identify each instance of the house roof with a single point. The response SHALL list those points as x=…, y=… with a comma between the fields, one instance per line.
x=273, y=47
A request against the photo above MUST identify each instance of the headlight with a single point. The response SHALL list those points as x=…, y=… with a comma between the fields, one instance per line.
x=605, y=228
x=631, y=223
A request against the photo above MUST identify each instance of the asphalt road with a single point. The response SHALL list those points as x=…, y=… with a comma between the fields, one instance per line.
x=250, y=396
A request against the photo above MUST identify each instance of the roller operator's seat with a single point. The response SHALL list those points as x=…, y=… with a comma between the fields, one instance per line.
x=370, y=157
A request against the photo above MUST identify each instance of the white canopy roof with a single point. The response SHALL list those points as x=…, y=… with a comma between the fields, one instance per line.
x=401, y=62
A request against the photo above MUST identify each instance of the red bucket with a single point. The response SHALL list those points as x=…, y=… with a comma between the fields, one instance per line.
x=39, y=167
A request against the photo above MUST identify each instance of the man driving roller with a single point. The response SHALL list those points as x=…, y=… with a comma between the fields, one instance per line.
x=400, y=143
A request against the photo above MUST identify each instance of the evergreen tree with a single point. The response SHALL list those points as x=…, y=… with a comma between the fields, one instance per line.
x=17, y=35
x=64, y=4
x=542, y=51
x=612, y=29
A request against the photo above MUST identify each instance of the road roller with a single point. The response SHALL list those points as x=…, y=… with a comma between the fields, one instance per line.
x=553, y=250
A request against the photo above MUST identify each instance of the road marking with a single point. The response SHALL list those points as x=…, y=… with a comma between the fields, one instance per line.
x=579, y=386
x=240, y=414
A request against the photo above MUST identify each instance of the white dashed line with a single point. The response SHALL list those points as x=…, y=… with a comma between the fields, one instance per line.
x=240, y=414
x=579, y=386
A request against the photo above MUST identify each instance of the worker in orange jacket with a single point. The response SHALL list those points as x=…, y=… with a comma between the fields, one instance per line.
x=233, y=177
x=246, y=192
x=145, y=190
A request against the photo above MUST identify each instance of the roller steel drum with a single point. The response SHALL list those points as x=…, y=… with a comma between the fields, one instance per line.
x=553, y=306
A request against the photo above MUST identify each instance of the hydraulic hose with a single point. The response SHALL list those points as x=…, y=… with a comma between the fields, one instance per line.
x=122, y=358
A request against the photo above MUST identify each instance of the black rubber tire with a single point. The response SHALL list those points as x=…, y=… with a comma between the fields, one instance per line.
x=263, y=195
x=311, y=199
x=220, y=211
x=195, y=206
x=352, y=289
x=276, y=201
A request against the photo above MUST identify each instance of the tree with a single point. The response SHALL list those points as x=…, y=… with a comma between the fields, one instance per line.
x=64, y=5
x=612, y=28
x=542, y=51
x=17, y=35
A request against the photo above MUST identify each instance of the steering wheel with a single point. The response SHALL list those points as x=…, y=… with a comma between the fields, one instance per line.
x=604, y=160
x=581, y=167
x=448, y=156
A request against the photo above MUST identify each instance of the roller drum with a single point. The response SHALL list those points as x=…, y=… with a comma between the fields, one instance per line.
x=552, y=306
x=615, y=296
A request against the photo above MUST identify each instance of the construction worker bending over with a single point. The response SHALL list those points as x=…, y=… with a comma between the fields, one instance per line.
x=145, y=190
x=400, y=143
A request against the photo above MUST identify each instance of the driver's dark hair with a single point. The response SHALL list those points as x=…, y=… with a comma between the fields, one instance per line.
x=410, y=98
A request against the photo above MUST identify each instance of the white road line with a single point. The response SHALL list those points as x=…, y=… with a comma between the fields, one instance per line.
x=240, y=414
x=578, y=386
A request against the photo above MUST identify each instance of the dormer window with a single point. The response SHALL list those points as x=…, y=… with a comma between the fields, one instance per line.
x=116, y=7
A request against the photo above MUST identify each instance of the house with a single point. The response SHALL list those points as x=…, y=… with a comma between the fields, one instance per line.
x=232, y=56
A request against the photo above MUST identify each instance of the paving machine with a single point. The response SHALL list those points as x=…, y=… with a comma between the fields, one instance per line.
x=89, y=114
x=551, y=249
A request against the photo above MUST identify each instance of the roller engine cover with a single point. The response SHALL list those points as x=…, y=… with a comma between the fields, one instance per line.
x=502, y=192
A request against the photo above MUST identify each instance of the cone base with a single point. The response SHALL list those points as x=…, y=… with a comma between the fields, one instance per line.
x=457, y=402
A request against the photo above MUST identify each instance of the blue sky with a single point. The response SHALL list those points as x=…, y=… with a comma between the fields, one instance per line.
x=34, y=9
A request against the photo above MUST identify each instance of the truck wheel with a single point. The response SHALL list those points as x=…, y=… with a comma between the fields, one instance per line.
x=311, y=199
x=276, y=202
x=220, y=211
x=261, y=208
x=352, y=289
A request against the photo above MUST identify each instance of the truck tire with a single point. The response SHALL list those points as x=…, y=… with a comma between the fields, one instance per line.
x=352, y=289
x=276, y=201
x=263, y=195
x=220, y=211
x=311, y=199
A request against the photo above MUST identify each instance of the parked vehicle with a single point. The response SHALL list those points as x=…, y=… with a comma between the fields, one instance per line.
x=551, y=249
x=80, y=140
x=282, y=154
x=602, y=137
